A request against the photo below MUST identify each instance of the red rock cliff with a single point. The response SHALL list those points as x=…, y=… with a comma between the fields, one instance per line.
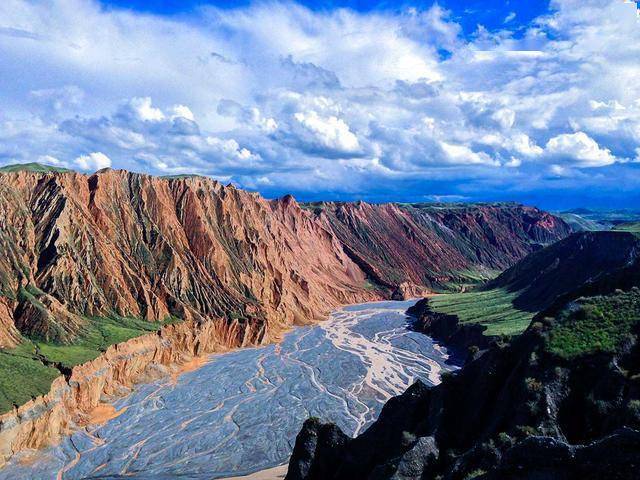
x=143, y=246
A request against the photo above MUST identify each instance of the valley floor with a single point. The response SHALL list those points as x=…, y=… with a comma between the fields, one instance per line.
x=240, y=412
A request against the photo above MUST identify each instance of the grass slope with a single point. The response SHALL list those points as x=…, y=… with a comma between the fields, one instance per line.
x=595, y=324
x=633, y=227
x=492, y=308
x=33, y=361
x=32, y=167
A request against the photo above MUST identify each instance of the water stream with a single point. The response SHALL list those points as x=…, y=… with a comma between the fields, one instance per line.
x=241, y=411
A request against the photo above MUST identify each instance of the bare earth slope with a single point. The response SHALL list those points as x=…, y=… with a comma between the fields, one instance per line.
x=146, y=247
x=434, y=245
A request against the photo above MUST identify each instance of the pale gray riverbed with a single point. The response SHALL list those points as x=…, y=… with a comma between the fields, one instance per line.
x=241, y=411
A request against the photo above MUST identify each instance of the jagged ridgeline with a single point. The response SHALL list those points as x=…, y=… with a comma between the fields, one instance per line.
x=92, y=260
x=561, y=400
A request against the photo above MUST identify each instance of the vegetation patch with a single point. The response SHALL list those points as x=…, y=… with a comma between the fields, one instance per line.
x=32, y=167
x=628, y=227
x=595, y=324
x=36, y=364
x=469, y=278
x=492, y=308
x=23, y=376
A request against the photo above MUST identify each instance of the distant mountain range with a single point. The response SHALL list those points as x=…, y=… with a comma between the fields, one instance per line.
x=582, y=219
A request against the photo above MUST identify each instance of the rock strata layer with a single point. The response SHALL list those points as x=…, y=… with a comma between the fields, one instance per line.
x=71, y=401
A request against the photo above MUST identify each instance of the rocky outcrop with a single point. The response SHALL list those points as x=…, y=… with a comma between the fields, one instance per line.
x=433, y=245
x=73, y=398
x=616, y=457
x=447, y=328
x=520, y=410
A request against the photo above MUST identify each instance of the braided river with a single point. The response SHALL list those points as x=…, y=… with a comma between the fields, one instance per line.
x=240, y=411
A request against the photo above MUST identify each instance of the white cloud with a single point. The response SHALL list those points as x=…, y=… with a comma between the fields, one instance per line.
x=51, y=160
x=462, y=155
x=93, y=161
x=143, y=110
x=580, y=149
x=505, y=117
x=331, y=99
x=331, y=132
x=182, y=111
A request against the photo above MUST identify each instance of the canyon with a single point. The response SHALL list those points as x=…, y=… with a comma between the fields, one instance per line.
x=214, y=267
x=240, y=411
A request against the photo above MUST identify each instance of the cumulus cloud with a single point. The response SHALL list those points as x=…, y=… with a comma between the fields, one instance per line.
x=278, y=97
x=182, y=111
x=579, y=149
x=330, y=132
x=93, y=161
x=142, y=109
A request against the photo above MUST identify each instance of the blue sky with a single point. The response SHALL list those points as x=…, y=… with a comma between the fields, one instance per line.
x=490, y=13
x=535, y=102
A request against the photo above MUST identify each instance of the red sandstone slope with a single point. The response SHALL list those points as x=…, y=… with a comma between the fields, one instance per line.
x=122, y=243
x=431, y=245
x=142, y=246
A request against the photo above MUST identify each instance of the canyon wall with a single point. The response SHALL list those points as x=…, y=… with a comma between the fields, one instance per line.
x=135, y=245
x=433, y=245
x=236, y=268
x=71, y=401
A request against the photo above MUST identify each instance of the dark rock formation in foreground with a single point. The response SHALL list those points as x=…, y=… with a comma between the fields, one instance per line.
x=447, y=328
x=560, y=401
x=518, y=411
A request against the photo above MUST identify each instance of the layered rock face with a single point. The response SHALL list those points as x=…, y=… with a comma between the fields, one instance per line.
x=72, y=399
x=238, y=269
x=146, y=247
x=433, y=245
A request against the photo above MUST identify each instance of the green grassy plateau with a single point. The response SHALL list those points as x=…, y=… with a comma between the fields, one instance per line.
x=492, y=308
x=28, y=370
x=595, y=324
x=628, y=227
x=32, y=167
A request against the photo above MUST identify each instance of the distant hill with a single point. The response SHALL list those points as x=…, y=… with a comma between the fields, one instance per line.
x=598, y=219
x=32, y=167
x=585, y=263
x=628, y=227
x=580, y=223
x=580, y=260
